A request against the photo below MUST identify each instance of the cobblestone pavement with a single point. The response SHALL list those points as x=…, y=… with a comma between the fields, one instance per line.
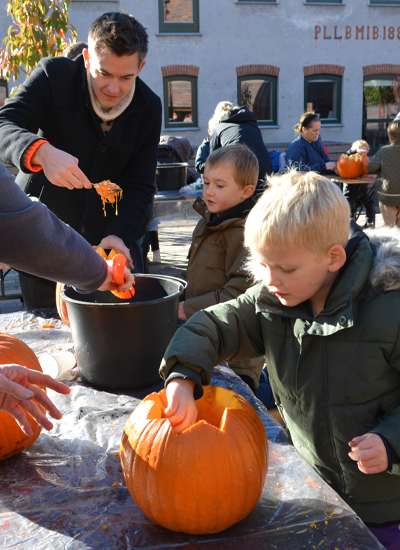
x=174, y=246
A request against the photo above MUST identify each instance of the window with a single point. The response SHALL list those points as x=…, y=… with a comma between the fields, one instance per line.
x=379, y=108
x=386, y=2
x=258, y=93
x=178, y=16
x=3, y=91
x=180, y=102
x=323, y=94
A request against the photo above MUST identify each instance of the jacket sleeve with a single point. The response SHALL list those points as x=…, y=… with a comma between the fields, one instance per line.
x=137, y=181
x=34, y=240
x=201, y=156
x=389, y=427
x=23, y=115
x=375, y=162
x=227, y=331
x=237, y=279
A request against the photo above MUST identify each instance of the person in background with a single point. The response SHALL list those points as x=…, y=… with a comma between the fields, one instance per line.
x=354, y=192
x=80, y=121
x=34, y=240
x=203, y=150
x=239, y=125
x=386, y=164
x=325, y=311
x=306, y=152
x=216, y=270
x=75, y=49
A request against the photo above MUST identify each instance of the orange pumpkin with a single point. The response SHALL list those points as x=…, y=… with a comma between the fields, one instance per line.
x=350, y=166
x=12, y=439
x=61, y=305
x=205, y=479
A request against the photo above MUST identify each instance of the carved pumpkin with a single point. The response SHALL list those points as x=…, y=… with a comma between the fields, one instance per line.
x=12, y=439
x=61, y=305
x=350, y=166
x=205, y=479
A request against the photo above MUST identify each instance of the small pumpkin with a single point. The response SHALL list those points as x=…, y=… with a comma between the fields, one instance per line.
x=12, y=439
x=205, y=479
x=350, y=166
x=61, y=305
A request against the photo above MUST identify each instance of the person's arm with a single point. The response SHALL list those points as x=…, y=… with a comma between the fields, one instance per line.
x=19, y=386
x=237, y=279
x=202, y=154
x=35, y=241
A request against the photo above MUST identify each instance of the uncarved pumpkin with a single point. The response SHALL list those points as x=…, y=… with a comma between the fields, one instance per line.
x=61, y=305
x=350, y=166
x=205, y=479
x=12, y=439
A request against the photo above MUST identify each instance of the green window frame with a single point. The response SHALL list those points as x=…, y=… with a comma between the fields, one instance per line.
x=176, y=27
x=385, y=2
x=273, y=121
x=180, y=124
x=337, y=119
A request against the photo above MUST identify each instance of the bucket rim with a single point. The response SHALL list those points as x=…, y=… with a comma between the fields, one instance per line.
x=172, y=165
x=182, y=282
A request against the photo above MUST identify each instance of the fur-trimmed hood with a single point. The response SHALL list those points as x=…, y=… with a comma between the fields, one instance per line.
x=385, y=272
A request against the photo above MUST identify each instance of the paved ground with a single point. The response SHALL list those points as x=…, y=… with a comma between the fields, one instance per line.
x=174, y=246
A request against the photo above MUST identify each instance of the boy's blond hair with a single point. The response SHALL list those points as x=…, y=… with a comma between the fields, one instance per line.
x=240, y=160
x=298, y=210
x=360, y=143
x=394, y=131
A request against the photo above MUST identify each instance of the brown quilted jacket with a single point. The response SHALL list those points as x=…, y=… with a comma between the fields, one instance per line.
x=386, y=164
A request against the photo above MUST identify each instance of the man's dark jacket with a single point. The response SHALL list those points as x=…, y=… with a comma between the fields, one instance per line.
x=240, y=126
x=54, y=104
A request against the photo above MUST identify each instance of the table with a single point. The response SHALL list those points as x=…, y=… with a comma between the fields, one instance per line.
x=173, y=208
x=68, y=492
x=370, y=179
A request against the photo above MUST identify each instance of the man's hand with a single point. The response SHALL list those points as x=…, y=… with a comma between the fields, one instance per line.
x=129, y=280
x=370, y=453
x=18, y=386
x=181, y=312
x=112, y=241
x=60, y=168
x=181, y=411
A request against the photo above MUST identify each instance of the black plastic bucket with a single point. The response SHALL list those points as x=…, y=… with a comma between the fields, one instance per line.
x=119, y=344
x=171, y=177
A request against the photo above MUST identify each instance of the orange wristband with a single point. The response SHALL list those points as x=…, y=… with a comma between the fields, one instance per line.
x=29, y=154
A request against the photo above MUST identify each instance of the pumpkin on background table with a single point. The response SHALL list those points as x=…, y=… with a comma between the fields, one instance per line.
x=351, y=166
x=12, y=439
x=205, y=479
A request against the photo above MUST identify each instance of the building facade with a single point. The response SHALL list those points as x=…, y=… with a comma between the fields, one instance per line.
x=340, y=58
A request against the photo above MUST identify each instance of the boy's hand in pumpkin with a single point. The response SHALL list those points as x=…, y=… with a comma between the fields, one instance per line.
x=19, y=386
x=370, y=453
x=181, y=411
x=117, y=244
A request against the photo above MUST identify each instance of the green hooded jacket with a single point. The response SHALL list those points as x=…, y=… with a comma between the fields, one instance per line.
x=334, y=377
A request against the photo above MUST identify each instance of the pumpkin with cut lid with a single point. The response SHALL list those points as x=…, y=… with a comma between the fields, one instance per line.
x=205, y=479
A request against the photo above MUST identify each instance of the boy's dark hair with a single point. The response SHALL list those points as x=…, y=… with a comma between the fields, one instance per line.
x=119, y=33
x=240, y=160
x=394, y=131
x=73, y=50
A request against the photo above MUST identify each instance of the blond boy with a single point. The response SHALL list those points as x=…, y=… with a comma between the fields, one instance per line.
x=326, y=314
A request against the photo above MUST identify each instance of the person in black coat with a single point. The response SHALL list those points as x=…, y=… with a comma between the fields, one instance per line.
x=77, y=122
x=239, y=125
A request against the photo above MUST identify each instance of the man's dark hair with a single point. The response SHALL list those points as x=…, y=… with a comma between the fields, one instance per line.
x=119, y=33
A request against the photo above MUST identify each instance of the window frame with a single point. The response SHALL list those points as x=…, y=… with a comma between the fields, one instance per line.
x=324, y=2
x=384, y=2
x=180, y=125
x=274, y=103
x=177, y=27
x=338, y=79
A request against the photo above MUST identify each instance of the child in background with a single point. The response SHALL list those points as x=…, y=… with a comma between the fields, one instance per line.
x=326, y=314
x=386, y=163
x=215, y=272
x=360, y=191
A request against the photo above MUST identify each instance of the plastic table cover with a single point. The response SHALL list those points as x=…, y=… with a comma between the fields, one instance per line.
x=68, y=491
x=173, y=208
